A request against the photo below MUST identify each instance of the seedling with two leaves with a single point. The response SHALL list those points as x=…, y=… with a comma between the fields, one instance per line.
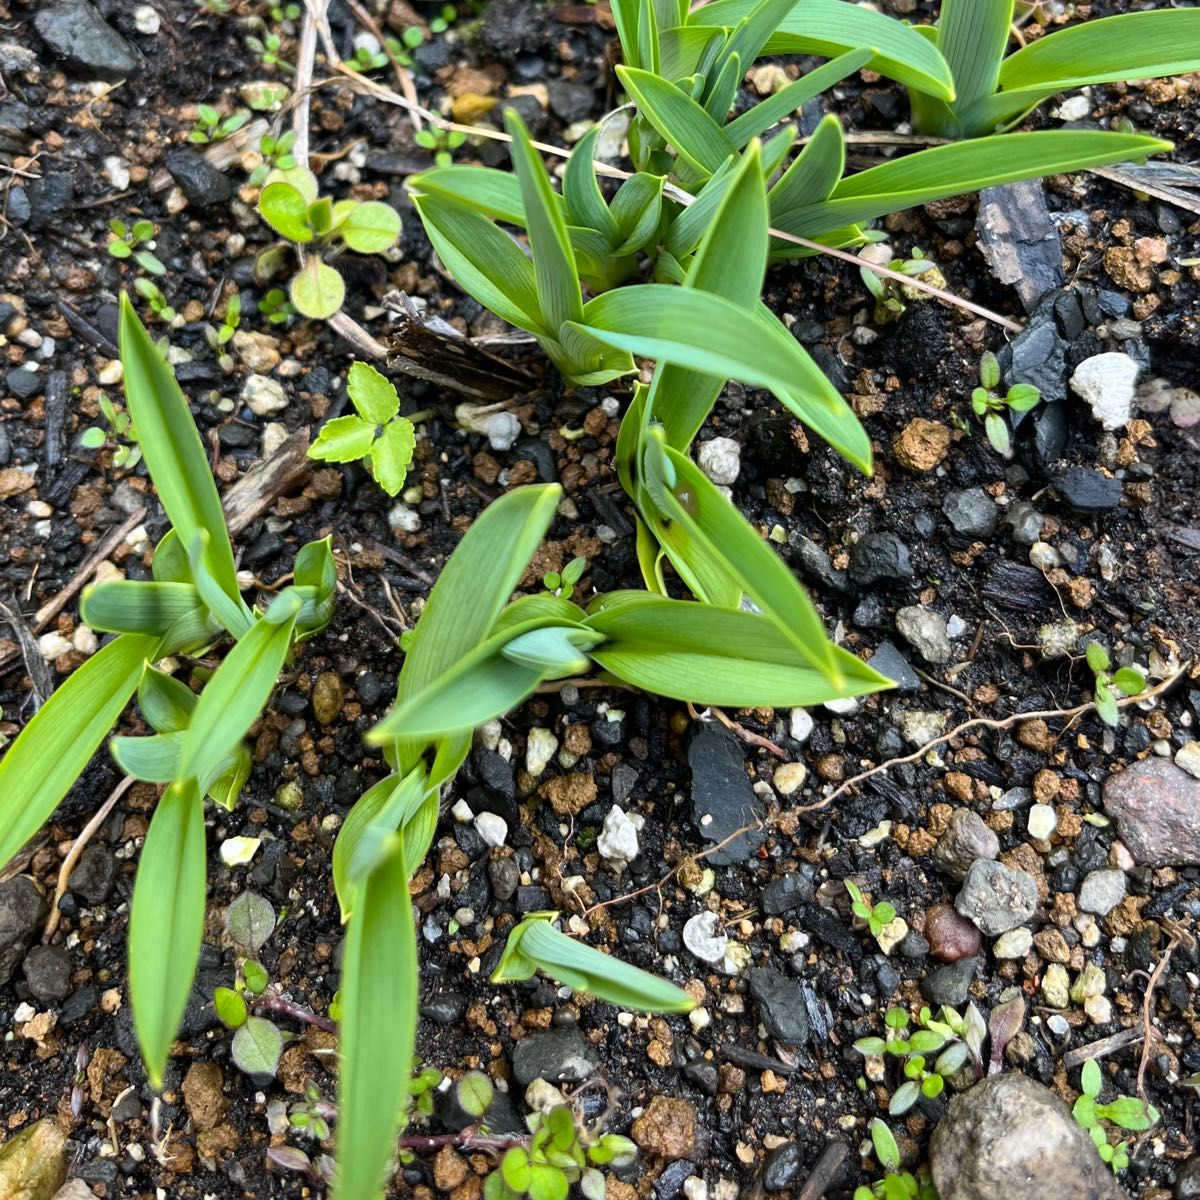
x=1128, y=681
x=276, y=154
x=896, y=1184
x=289, y=203
x=377, y=434
x=1125, y=1112
x=877, y=915
x=891, y=296
x=127, y=453
x=125, y=241
x=212, y=127
x=989, y=406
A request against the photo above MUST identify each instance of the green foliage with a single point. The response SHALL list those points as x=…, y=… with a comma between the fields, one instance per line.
x=896, y=1184
x=152, y=294
x=876, y=915
x=890, y=295
x=441, y=143
x=267, y=50
x=378, y=434
x=989, y=405
x=212, y=127
x=1125, y=681
x=124, y=242
x=1125, y=1112
x=562, y=583
x=276, y=307
x=127, y=453
x=276, y=153
x=289, y=203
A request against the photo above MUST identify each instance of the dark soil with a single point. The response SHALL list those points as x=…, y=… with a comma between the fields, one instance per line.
x=1129, y=576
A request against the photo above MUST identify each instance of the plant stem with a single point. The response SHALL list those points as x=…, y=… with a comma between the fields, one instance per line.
x=269, y=1002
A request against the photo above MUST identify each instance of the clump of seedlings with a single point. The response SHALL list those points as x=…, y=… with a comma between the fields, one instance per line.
x=1123, y=1112
x=989, y=406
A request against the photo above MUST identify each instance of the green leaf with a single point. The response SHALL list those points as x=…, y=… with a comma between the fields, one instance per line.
x=231, y=1008
x=588, y=969
x=167, y=704
x=559, y=299
x=1090, y=1078
x=475, y=1093
x=285, y=209
x=484, y=261
x=373, y=395
x=972, y=36
x=637, y=208
x=40, y=766
x=715, y=656
x=166, y=922
x=485, y=190
x=515, y=1169
x=886, y=1150
x=391, y=454
x=997, y=433
x=870, y=1045
x=584, y=201
x=926, y=1041
x=233, y=616
x=1097, y=657
x=547, y=1183
x=256, y=977
x=317, y=290
x=813, y=173
x=1106, y=704
x=904, y=1097
x=150, y=759
x=250, y=921
x=1129, y=680
x=171, y=445
x=236, y=694
x=370, y=227
x=137, y=606
x=379, y=1018
x=257, y=1047
x=831, y=27
x=343, y=439
x=696, y=137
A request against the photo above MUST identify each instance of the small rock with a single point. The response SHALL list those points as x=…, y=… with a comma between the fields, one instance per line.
x=1056, y=986
x=505, y=876
x=1187, y=757
x=22, y=914
x=238, y=851
x=199, y=180
x=618, y=840
x=951, y=936
x=94, y=873
x=259, y=351
x=996, y=897
x=720, y=458
x=146, y=20
x=264, y=396
x=33, y=1163
x=879, y=556
x=48, y=972
x=971, y=512
x=922, y=444
x=450, y=1169
x=800, y=724
x=667, y=1129
x=540, y=748
x=789, y=777
x=965, y=840
x=784, y=894
x=1016, y=943
x=1157, y=810
x=949, y=984
x=1044, y=556
x=704, y=937
x=925, y=631
x=328, y=697
x=492, y=827
x=204, y=1094
x=920, y=726
x=1042, y=822
x=503, y=429
x=1101, y=891
x=74, y=31
x=1074, y=108
x=1087, y=490
x=782, y=1167
x=894, y=932
x=1106, y=382
x=1007, y=1128
x=722, y=799
x=557, y=1055
x=887, y=660
x=1025, y=522
x=781, y=1006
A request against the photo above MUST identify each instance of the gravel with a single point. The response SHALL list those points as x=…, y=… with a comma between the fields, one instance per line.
x=996, y=897
x=1101, y=891
x=971, y=512
x=1106, y=383
x=925, y=631
x=780, y=1005
x=1157, y=809
x=966, y=839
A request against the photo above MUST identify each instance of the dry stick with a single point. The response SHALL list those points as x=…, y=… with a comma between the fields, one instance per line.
x=77, y=848
x=686, y=198
x=1151, y=1034
x=403, y=75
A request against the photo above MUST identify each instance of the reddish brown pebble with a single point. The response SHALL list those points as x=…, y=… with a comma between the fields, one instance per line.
x=950, y=936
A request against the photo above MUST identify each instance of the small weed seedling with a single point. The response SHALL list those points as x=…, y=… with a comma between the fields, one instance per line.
x=290, y=205
x=124, y=242
x=285, y=12
x=212, y=127
x=219, y=337
x=128, y=453
x=896, y=1184
x=1126, y=680
x=890, y=295
x=441, y=143
x=266, y=98
x=365, y=59
x=378, y=434
x=266, y=50
x=1125, y=1112
x=276, y=307
x=152, y=294
x=562, y=583
x=989, y=405
x=276, y=156
x=876, y=915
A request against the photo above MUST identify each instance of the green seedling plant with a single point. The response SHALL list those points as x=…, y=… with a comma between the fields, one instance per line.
x=267, y=98
x=276, y=153
x=211, y=127
x=218, y=337
x=557, y=1157
x=892, y=297
x=127, y=453
x=364, y=60
x=441, y=143
x=376, y=433
x=267, y=50
x=1125, y=1112
x=989, y=406
x=877, y=915
x=127, y=241
x=896, y=1184
x=285, y=12
x=289, y=203
x=191, y=606
x=153, y=295
x=275, y=306
x=562, y=583
x=1108, y=684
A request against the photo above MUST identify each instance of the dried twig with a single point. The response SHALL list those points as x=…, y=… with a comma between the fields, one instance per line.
x=1150, y=1033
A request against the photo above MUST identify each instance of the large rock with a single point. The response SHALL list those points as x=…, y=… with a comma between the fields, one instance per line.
x=76, y=32
x=722, y=799
x=1009, y=1136
x=33, y=1163
x=997, y=898
x=1157, y=809
x=22, y=913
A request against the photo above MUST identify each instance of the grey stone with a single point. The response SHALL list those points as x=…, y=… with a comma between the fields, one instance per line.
x=1019, y=239
x=949, y=984
x=93, y=876
x=971, y=512
x=1102, y=891
x=780, y=1005
x=1157, y=809
x=722, y=799
x=1087, y=490
x=1025, y=522
x=782, y=1167
x=1038, y=356
x=815, y=564
x=966, y=840
x=201, y=182
x=49, y=197
x=788, y=892
x=996, y=897
x=879, y=556
x=556, y=1055
x=22, y=913
x=25, y=384
x=505, y=876
x=74, y=31
x=48, y=972
x=925, y=631
x=887, y=660
x=1187, y=1186
x=1009, y=1136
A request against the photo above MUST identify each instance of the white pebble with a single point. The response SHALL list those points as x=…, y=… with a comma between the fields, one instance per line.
x=1187, y=758
x=403, y=519
x=789, y=777
x=492, y=828
x=273, y=436
x=1106, y=382
x=462, y=812
x=720, y=458
x=540, y=747
x=1073, y=108
x=238, y=851
x=618, y=840
x=1042, y=822
x=146, y=20
x=264, y=396
x=51, y=645
x=801, y=726
x=503, y=429
x=705, y=938
x=85, y=641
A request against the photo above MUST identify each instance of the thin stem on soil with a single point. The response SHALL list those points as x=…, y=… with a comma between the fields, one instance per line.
x=273, y=1003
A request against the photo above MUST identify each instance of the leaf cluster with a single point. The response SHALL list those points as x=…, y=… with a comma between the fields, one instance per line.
x=989, y=406
x=1125, y=1112
x=125, y=241
x=896, y=1184
x=877, y=915
x=127, y=453
x=1127, y=681
x=212, y=127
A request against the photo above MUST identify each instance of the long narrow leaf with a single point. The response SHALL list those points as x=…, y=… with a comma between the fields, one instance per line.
x=39, y=768
x=582, y=196
x=814, y=172
x=172, y=448
x=166, y=922
x=379, y=1019
x=136, y=606
x=972, y=35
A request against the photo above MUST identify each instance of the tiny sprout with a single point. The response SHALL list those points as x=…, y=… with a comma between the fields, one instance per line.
x=124, y=241
x=276, y=156
x=441, y=143
x=365, y=59
x=210, y=127
x=988, y=405
x=475, y=1093
x=890, y=295
x=877, y=916
x=128, y=453
x=255, y=976
x=276, y=307
x=1129, y=681
x=562, y=583
x=1126, y=1112
x=152, y=294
